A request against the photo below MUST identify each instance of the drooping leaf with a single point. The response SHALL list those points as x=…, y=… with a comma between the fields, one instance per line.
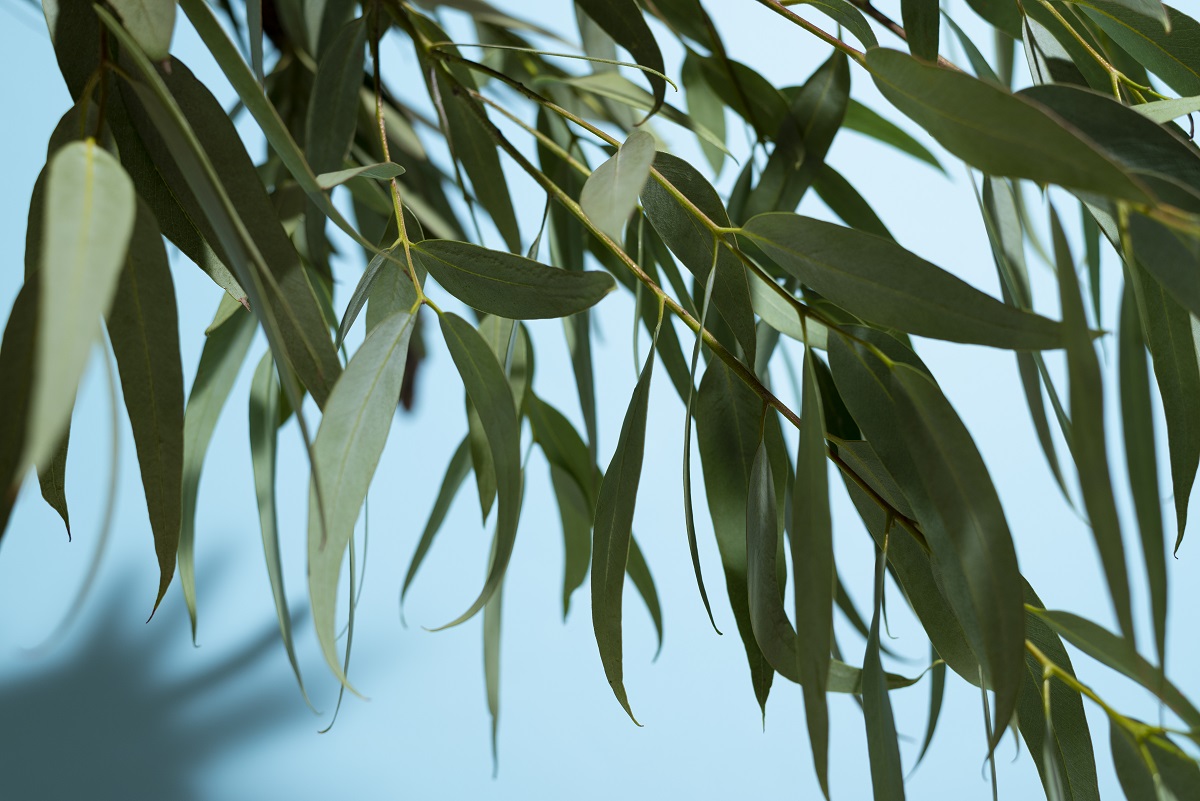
x=52, y=480
x=346, y=450
x=333, y=104
x=937, y=694
x=382, y=172
x=728, y=414
x=623, y=21
x=220, y=362
x=150, y=22
x=492, y=611
x=612, y=190
x=924, y=445
x=144, y=329
x=509, y=286
x=90, y=209
x=814, y=573
x=887, y=774
x=845, y=201
x=490, y=394
x=921, y=22
x=639, y=573
x=1141, y=458
x=16, y=365
x=882, y=282
x=868, y=122
x=1173, y=56
x=575, y=512
x=456, y=474
x=1005, y=135
x=612, y=532
x=264, y=437
x=706, y=108
x=1087, y=430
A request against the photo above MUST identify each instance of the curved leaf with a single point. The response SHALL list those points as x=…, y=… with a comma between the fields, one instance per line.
x=611, y=192
x=150, y=22
x=623, y=21
x=887, y=774
x=1174, y=56
x=882, y=282
x=509, y=286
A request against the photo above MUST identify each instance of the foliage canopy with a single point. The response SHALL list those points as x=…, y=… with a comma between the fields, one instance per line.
x=146, y=155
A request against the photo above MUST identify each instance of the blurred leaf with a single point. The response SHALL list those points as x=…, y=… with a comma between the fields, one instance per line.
x=813, y=572
x=490, y=394
x=264, y=437
x=983, y=70
x=491, y=665
x=1005, y=135
x=509, y=286
x=1153, y=768
x=728, y=421
x=381, y=171
x=220, y=362
x=90, y=209
x=150, y=22
x=937, y=694
x=16, y=365
x=887, y=774
x=1173, y=56
x=845, y=201
x=613, y=531
x=921, y=22
x=706, y=108
x=144, y=329
x=356, y=421
x=1087, y=430
x=623, y=21
x=848, y=17
x=886, y=284
x=1141, y=459
x=333, y=105
x=611, y=192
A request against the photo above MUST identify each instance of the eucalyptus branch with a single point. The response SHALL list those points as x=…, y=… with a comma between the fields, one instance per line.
x=785, y=12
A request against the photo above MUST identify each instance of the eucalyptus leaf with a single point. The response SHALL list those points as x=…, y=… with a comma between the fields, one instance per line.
x=611, y=191
x=150, y=22
x=381, y=172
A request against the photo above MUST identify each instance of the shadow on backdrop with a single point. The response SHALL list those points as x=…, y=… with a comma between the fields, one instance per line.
x=117, y=713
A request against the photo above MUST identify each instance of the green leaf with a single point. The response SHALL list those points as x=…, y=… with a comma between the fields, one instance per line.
x=728, y=415
x=510, y=286
x=1153, y=768
x=612, y=533
x=813, y=571
x=639, y=573
x=144, y=329
x=611, y=192
x=575, y=512
x=1087, y=430
x=694, y=244
x=1004, y=134
x=381, y=172
x=868, y=122
x=150, y=22
x=882, y=282
x=16, y=365
x=623, y=21
x=1173, y=56
x=924, y=445
x=845, y=201
x=456, y=474
x=979, y=63
x=220, y=362
x=334, y=102
x=1119, y=654
x=937, y=694
x=264, y=436
x=1164, y=111
x=346, y=450
x=90, y=209
x=52, y=480
x=489, y=392
x=848, y=17
x=491, y=666
x=887, y=774
x=1141, y=458
x=706, y=108
x=921, y=23
x=1168, y=330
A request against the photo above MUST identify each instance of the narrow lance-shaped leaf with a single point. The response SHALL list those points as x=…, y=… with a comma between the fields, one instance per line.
x=728, y=417
x=491, y=665
x=89, y=216
x=611, y=191
x=612, y=533
x=921, y=22
x=346, y=450
x=456, y=474
x=220, y=362
x=813, y=570
x=639, y=573
x=1005, y=134
x=1172, y=55
x=1141, y=458
x=16, y=365
x=490, y=394
x=1087, y=427
x=52, y=480
x=144, y=329
x=623, y=21
x=150, y=22
x=887, y=774
x=706, y=108
x=264, y=436
x=509, y=286
x=380, y=172
x=868, y=122
x=882, y=282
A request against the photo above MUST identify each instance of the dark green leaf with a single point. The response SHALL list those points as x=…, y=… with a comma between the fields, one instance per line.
x=613, y=531
x=921, y=22
x=575, y=511
x=16, y=365
x=937, y=694
x=1005, y=134
x=643, y=582
x=845, y=201
x=490, y=394
x=887, y=774
x=144, y=329
x=868, y=122
x=888, y=285
x=1087, y=430
x=456, y=474
x=52, y=480
x=150, y=22
x=509, y=286
x=1174, y=56
x=333, y=105
x=623, y=21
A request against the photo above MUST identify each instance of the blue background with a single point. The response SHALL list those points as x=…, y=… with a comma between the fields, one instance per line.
x=125, y=709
